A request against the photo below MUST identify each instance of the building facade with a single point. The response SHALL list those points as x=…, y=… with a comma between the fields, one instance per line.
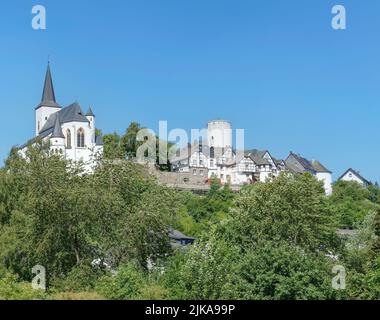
x=214, y=157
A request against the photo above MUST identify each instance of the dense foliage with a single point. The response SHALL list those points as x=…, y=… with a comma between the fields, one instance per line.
x=105, y=235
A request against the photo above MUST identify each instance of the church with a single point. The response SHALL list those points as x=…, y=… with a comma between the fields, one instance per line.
x=70, y=132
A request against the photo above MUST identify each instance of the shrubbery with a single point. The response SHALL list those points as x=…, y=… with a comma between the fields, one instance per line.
x=276, y=240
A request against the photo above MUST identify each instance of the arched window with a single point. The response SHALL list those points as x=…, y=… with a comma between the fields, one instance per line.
x=68, y=139
x=80, y=138
x=212, y=152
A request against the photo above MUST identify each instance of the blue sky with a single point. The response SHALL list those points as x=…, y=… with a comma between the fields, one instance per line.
x=275, y=68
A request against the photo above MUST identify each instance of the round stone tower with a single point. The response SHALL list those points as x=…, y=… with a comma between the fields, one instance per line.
x=219, y=134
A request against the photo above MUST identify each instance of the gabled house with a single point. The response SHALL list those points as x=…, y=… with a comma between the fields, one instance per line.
x=352, y=175
x=295, y=163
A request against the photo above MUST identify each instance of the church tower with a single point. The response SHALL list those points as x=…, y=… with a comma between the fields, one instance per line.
x=48, y=103
x=91, y=119
x=57, y=139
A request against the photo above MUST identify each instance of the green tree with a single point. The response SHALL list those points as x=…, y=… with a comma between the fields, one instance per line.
x=113, y=148
x=280, y=271
x=292, y=208
x=351, y=202
x=129, y=141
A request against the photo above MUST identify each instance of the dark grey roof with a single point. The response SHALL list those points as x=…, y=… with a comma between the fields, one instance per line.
x=40, y=136
x=177, y=235
x=258, y=156
x=99, y=140
x=299, y=164
x=90, y=113
x=303, y=164
x=68, y=114
x=357, y=174
x=48, y=94
x=57, y=132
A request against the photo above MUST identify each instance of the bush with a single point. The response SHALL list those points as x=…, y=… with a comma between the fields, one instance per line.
x=12, y=289
x=126, y=284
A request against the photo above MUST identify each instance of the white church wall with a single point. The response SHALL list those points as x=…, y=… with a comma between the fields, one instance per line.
x=42, y=114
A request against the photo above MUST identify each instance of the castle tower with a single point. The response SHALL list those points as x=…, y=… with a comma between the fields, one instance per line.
x=219, y=134
x=48, y=103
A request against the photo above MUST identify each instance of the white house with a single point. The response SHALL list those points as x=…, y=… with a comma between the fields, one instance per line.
x=352, y=175
x=70, y=131
x=217, y=158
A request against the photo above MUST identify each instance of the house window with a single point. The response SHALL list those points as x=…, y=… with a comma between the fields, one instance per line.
x=201, y=172
x=68, y=139
x=211, y=163
x=80, y=138
x=350, y=175
x=194, y=172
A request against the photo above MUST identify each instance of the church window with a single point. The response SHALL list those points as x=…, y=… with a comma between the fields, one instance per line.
x=68, y=139
x=212, y=152
x=80, y=138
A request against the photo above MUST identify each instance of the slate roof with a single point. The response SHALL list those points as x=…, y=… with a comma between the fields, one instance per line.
x=57, y=131
x=48, y=94
x=71, y=113
x=258, y=156
x=304, y=165
x=177, y=235
x=355, y=173
x=90, y=113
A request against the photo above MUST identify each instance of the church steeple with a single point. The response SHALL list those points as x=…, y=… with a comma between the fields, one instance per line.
x=48, y=94
x=48, y=104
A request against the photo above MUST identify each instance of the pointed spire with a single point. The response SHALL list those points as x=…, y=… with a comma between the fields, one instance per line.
x=57, y=132
x=90, y=113
x=48, y=94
